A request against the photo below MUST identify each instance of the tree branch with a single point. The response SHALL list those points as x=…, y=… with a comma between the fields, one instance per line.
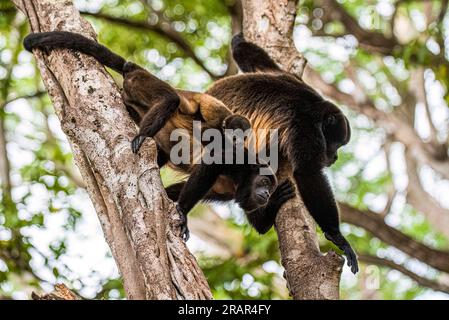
x=163, y=29
x=5, y=168
x=437, y=216
x=37, y=94
x=138, y=220
x=372, y=41
x=435, y=285
x=374, y=223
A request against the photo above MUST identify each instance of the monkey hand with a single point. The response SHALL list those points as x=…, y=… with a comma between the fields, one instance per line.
x=137, y=143
x=184, y=232
x=344, y=245
x=284, y=192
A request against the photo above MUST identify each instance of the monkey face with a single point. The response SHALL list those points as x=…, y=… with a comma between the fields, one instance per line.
x=235, y=122
x=255, y=193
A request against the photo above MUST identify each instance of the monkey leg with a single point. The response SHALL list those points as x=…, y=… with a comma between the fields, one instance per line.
x=133, y=114
x=201, y=180
x=155, y=119
x=174, y=190
x=213, y=111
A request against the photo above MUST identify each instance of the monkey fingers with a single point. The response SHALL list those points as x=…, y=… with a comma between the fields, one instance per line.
x=184, y=230
x=285, y=191
x=351, y=258
x=137, y=143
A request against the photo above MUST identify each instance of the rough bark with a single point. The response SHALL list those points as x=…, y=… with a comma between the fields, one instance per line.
x=138, y=220
x=310, y=275
x=61, y=292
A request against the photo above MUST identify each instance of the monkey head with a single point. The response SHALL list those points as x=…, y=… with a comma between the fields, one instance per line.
x=235, y=122
x=336, y=132
x=254, y=190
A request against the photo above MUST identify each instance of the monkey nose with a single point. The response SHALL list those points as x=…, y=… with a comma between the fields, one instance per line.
x=263, y=196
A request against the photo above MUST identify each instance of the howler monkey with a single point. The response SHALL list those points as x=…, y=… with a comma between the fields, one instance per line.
x=310, y=128
x=157, y=108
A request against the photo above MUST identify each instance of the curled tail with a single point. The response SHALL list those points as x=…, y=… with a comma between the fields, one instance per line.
x=69, y=40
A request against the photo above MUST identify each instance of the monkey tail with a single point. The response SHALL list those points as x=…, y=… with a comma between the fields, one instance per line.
x=70, y=40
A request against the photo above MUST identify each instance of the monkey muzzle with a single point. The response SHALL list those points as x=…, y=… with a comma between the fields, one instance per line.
x=262, y=197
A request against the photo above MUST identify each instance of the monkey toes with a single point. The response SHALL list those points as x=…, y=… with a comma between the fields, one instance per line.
x=285, y=191
x=343, y=244
x=137, y=143
x=184, y=230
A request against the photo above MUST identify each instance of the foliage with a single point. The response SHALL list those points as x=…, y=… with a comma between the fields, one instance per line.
x=43, y=221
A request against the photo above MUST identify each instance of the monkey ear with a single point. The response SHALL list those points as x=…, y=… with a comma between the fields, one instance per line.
x=250, y=57
x=336, y=125
x=330, y=120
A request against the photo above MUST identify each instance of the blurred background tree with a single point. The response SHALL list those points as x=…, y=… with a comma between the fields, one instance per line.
x=384, y=61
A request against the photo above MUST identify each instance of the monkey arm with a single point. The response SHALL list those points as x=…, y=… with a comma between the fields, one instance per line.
x=195, y=188
x=201, y=180
x=250, y=57
x=174, y=190
x=307, y=158
x=213, y=111
x=319, y=200
x=263, y=218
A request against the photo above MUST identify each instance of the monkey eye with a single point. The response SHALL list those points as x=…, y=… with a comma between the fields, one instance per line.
x=266, y=181
x=330, y=120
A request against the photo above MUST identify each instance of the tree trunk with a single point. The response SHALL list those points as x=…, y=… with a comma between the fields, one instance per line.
x=138, y=220
x=309, y=274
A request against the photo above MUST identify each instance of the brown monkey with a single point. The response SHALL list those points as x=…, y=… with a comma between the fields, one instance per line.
x=157, y=108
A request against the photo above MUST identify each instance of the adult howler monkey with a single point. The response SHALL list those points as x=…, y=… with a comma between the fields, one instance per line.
x=310, y=128
x=157, y=108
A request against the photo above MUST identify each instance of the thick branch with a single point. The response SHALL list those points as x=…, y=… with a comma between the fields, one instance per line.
x=270, y=25
x=135, y=214
x=310, y=275
x=373, y=41
x=422, y=201
x=163, y=29
x=374, y=223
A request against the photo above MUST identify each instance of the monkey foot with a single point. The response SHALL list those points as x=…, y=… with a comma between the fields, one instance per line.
x=285, y=191
x=137, y=143
x=343, y=244
x=184, y=230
